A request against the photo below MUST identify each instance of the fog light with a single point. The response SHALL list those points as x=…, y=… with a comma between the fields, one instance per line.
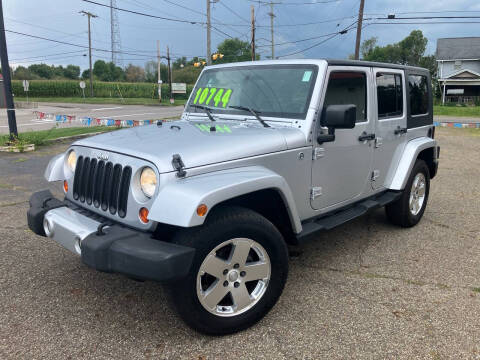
x=143, y=215
x=48, y=227
x=65, y=186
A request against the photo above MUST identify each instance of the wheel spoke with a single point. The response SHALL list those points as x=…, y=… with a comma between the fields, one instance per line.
x=214, y=294
x=241, y=297
x=256, y=271
x=421, y=189
x=240, y=252
x=214, y=266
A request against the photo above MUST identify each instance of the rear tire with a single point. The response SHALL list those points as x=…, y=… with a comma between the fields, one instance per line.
x=409, y=208
x=234, y=246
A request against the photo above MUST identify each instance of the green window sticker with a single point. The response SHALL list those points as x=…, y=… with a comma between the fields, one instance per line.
x=216, y=97
x=306, y=76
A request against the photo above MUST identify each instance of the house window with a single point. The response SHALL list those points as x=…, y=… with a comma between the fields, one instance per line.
x=345, y=87
x=458, y=64
x=389, y=95
x=418, y=86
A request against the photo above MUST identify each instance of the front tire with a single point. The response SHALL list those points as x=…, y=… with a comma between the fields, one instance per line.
x=408, y=210
x=237, y=275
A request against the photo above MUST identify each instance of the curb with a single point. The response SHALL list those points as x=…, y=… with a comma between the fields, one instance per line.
x=456, y=124
x=74, y=137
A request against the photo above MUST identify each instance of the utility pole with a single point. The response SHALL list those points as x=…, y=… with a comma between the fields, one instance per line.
x=7, y=81
x=209, y=35
x=90, y=15
x=272, y=15
x=359, y=29
x=169, y=74
x=158, y=71
x=253, y=33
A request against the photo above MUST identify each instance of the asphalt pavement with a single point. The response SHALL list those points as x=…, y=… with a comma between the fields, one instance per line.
x=366, y=290
x=27, y=120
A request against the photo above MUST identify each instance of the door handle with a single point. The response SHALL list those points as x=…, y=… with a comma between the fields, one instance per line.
x=365, y=137
x=399, y=130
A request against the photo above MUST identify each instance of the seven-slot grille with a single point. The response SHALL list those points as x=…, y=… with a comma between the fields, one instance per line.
x=102, y=184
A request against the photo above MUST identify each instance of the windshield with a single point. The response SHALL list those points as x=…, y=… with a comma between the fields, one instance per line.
x=272, y=90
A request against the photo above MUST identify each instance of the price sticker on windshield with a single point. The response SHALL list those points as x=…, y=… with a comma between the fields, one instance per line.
x=211, y=96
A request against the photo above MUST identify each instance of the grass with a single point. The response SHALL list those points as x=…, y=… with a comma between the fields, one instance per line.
x=43, y=136
x=470, y=111
x=476, y=289
x=95, y=100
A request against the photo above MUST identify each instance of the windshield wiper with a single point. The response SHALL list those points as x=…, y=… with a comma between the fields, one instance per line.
x=207, y=110
x=251, y=111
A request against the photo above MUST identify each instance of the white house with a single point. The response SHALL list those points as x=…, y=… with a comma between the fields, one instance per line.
x=458, y=61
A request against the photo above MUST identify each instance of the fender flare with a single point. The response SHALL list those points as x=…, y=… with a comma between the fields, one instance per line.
x=409, y=156
x=54, y=170
x=176, y=203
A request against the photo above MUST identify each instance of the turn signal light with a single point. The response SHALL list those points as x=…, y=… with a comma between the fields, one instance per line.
x=202, y=210
x=65, y=186
x=143, y=215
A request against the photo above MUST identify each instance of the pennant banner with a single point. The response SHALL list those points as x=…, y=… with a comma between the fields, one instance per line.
x=91, y=121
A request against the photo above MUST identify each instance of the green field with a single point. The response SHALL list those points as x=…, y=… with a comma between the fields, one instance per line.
x=97, y=100
x=469, y=111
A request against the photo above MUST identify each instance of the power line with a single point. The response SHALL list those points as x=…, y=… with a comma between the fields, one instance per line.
x=47, y=55
x=313, y=2
x=144, y=14
x=344, y=31
x=231, y=10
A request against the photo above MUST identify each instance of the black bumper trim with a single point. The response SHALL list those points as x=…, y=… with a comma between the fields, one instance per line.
x=136, y=254
x=119, y=249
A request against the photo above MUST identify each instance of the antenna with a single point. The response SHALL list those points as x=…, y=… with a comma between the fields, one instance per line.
x=115, y=34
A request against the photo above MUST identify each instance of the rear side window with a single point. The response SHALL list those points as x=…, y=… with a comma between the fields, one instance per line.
x=348, y=87
x=389, y=95
x=418, y=94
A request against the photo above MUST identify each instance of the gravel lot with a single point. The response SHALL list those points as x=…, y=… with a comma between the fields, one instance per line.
x=366, y=290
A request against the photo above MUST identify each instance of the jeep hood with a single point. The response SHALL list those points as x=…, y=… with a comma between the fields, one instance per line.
x=195, y=143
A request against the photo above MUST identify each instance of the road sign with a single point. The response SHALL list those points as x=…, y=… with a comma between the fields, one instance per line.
x=82, y=84
x=26, y=84
x=179, y=88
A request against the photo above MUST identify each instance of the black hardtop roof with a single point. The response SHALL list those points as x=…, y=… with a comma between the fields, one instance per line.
x=334, y=62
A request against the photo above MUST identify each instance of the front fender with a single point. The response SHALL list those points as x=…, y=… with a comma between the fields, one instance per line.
x=177, y=202
x=54, y=170
x=410, y=154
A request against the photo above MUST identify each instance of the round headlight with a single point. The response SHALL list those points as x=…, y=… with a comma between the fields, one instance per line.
x=72, y=160
x=148, y=181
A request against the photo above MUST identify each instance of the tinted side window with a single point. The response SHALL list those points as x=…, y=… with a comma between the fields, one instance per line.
x=418, y=94
x=389, y=95
x=347, y=87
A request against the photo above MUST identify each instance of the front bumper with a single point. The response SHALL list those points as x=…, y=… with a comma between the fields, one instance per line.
x=114, y=249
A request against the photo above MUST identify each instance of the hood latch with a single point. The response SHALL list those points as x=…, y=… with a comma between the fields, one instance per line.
x=178, y=165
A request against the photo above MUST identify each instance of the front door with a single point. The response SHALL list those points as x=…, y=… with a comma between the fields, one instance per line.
x=341, y=169
x=391, y=126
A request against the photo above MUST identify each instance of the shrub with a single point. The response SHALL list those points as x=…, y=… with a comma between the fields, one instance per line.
x=71, y=88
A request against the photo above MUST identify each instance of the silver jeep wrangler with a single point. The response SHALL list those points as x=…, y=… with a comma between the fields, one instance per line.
x=266, y=154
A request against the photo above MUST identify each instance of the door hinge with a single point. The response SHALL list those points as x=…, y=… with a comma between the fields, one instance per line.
x=318, y=153
x=375, y=174
x=378, y=142
x=315, y=192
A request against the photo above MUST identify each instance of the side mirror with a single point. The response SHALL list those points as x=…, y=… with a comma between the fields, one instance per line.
x=339, y=116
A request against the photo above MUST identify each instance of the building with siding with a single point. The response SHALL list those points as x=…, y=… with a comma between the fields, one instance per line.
x=458, y=61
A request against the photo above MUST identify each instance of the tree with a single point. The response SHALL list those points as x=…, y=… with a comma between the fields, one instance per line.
x=408, y=51
x=86, y=74
x=43, y=71
x=177, y=63
x=107, y=71
x=71, y=72
x=22, y=73
x=234, y=50
x=151, y=74
x=134, y=73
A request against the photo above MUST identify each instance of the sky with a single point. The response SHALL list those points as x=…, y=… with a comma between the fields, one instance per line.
x=294, y=22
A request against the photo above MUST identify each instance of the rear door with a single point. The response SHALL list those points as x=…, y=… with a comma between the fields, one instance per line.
x=390, y=124
x=341, y=168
